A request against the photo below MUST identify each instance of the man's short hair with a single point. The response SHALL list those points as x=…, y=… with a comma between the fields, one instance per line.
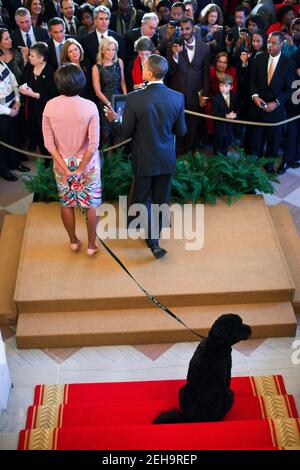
x=22, y=12
x=69, y=79
x=102, y=9
x=158, y=65
x=179, y=5
x=279, y=34
x=149, y=17
x=187, y=19
x=56, y=20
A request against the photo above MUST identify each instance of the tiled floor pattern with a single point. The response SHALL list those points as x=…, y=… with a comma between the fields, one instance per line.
x=143, y=362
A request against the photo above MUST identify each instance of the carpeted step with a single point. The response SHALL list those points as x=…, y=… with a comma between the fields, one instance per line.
x=165, y=390
x=290, y=243
x=251, y=434
x=10, y=248
x=143, y=412
x=140, y=326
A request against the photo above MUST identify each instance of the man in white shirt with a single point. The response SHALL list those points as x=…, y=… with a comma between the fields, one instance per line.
x=57, y=29
x=26, y=35
x=91, y=41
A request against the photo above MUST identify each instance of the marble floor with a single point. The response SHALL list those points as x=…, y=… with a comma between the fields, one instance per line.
x=130, y=363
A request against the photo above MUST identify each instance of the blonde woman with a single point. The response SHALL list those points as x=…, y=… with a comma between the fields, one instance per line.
x=108, y=79
x=73, y=52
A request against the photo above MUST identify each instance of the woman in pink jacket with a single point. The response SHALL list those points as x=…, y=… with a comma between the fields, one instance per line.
x=71, y=135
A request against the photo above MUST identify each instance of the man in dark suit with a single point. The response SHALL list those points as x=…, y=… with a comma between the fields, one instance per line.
x=57, y=31
x=151, y=117
x=26, y=35
x=91, y=42
x=189, y=74
x=67, y=12
x=270, y=88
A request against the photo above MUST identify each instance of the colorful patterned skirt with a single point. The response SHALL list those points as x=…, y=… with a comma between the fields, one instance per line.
x=86, y=191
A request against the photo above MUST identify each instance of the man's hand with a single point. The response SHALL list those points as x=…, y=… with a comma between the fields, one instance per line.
x=231, y=115
x=176, y=49
x=110, y=115
x=271, y=106
x=259, y=102
x=202, y=101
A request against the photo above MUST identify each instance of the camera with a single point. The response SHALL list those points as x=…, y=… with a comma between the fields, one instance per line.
x=285, y=31
x=243, y=30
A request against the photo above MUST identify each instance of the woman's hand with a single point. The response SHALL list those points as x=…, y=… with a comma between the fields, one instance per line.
x=27, y=91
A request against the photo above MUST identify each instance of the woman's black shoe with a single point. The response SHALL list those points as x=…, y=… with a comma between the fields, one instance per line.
x=8, y=176
x=22, y=168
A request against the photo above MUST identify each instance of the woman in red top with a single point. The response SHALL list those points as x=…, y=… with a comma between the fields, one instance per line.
x=143, y=47
x=217, y=71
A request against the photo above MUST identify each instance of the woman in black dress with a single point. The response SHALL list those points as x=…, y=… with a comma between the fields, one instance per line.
x=108, y=80
x=37, y=88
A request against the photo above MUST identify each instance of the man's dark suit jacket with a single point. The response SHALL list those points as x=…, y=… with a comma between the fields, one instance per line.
x=52, y=58
x=220, y=109
x=40, y=34
x=77, y=22
x=190, y=77
x=279, y=88
x=151, y=117
x=91, y=45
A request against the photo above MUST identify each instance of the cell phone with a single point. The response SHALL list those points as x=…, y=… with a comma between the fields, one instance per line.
x=229, y=37
x=243, y=30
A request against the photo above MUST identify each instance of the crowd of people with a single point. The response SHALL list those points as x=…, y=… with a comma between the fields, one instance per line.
x=229, y=58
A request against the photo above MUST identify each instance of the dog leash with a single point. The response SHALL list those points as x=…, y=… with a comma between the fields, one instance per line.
x=72, y=179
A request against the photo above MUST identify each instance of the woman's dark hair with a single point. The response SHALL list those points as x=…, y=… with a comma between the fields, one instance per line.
x=69, y=79
x=262, y=34
x=2, y=31
x=41, y=48
x=258, y=20
x=85, y=8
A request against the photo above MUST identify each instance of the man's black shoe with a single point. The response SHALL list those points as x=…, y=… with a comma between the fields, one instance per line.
x=8, y=176
x=295, y=164
x=157, y=251
x=22, y=168
x=282, y=169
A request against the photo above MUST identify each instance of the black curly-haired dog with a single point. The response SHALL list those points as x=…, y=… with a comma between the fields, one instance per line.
x=207, y=395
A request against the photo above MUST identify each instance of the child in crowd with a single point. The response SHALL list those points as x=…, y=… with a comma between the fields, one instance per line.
x=225, y=106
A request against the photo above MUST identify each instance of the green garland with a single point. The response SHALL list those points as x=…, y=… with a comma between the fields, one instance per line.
x=199, y=178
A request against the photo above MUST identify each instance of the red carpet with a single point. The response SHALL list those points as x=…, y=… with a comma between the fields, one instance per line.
x=263, y=434
x=103, y=416
x=144, y=391
x=134, y=413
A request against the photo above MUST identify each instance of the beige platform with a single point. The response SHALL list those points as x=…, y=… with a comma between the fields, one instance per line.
x=10, y=248
x=150, y=325
x=290, y=242
x=241, y=269
x=241, y=262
